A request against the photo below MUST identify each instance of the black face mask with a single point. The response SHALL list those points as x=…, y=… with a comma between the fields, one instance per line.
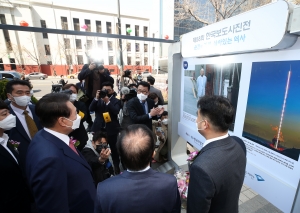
x=100, y=147
x=124, y=100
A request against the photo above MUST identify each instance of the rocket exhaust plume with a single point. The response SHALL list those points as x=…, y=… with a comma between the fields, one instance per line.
x=283, y=107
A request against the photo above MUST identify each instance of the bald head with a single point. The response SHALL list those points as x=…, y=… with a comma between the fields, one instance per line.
x=136, y=146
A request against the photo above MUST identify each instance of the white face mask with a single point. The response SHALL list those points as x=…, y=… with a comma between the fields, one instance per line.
x=73, y=97
x=8, y=123
x=76, y=122
x=165, y=121
x=22, y=100
x=142, y=97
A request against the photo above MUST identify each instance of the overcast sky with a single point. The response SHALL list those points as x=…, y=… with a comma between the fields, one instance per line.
x=137, y=7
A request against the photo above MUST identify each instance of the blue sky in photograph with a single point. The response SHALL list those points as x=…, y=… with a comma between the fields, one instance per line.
x=266, y=96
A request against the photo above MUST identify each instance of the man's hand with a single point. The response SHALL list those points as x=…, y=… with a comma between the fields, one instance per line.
x=161, y=110
x=154, y=112
x=92, y=66
x=97, y=94
x=105, y=99
x=104, y=154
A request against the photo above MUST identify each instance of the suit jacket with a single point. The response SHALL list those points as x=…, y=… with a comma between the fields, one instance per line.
x=14, y=193
x=80, y=134
x=61, y=180
x=158, y=93
x=146, y=192
x=19, y=134
x=137, y=114
x=216, y=177
x=113, y=108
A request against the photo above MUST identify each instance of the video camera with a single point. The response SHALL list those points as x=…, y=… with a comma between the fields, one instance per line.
x=132, y=93
x=127, y=73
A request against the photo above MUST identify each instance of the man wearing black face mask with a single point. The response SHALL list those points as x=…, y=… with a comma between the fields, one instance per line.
x=108, y=106
x=96, y=154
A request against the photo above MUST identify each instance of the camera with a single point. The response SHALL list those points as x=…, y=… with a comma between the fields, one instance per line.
x=103, y=93
x=132, y=93
x=127, y=73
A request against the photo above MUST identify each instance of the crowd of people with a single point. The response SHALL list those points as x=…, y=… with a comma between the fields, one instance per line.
x=48, y=163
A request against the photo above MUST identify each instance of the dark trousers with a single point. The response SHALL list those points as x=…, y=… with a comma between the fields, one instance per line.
x=112, y=141
x=88, y=116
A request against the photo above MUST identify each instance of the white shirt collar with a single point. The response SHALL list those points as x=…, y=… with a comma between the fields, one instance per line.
x=18, y=110
x=63, y=137
x=4, y=139
x=143, y=170
x=215, y=139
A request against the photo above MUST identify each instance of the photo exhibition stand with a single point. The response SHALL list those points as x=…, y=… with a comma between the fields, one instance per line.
x=253, y=59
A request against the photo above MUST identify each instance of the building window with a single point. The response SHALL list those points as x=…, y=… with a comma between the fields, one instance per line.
x=137, y=30
x=110, y=45
x=12, y=64
x=49, y=62
x=108, y=27
x=137, y=47
x=98, y=27
x=127, y=26
x=128, y=60
x=137, y=63
x=128, y=45
x=117, y=28
x=100, y=44
x=5, y=33
x=89, y=44
x=69, y=59
x=145, y=31
x=153, y=49
x=78, y=44
x=76, y=24
x=47, y=50
x=67, y=43
x=43, y=25
x=145, y=48
x=110, y=60
x=146, y=61
x=80, y=59
x=88, y=24
x=64, y=23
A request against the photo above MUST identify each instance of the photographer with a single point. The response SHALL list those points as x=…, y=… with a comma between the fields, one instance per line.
x=96, y=154
x=93, y=75
x=127, y=76
x=126, y=95
x=107, y=107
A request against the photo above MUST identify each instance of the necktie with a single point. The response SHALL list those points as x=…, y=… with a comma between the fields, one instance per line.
x=30, y=124
x=144, y=107
x=71, y=145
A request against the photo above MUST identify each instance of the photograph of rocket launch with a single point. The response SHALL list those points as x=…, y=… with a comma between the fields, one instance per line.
x=273, y=108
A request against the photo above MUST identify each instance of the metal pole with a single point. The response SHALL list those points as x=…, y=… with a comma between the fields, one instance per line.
x=120, y=46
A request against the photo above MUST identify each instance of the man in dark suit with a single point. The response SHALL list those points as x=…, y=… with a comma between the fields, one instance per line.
x=27, y=123
x=146, y=190
x=151, y=81
x=59, y=176
x=14, y=193
x=141, y=108
x=217, y=173
x=93, y=75
x=111, y=105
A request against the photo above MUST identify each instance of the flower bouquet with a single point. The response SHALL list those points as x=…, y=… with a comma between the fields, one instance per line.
x=183, y=184
x=15, y=144
x=74, y=141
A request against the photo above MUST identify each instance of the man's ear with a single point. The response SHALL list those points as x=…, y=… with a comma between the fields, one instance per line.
x=8, y=96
